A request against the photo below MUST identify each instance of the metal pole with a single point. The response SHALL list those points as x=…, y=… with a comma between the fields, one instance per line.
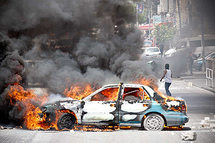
x=149, y=16
x=202, y=37
x=137, y=20
x=179, y=15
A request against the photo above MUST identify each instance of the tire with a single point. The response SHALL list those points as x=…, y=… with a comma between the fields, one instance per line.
x=66, y=121
x=153, y=122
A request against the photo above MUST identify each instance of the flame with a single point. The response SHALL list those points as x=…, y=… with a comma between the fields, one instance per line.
x=91, y=128
x=78, y=92
x=173, y=128
x=152, y=83
x=33, y=121
x=109, y=94
x=27, y=101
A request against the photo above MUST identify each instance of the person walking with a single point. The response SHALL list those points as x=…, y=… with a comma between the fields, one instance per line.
x=161, y=49
x=191, y=58
x=191, y=63
x=167, y=75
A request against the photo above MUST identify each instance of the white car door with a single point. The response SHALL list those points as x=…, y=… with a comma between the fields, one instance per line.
x=101, y=107
x=133, y=103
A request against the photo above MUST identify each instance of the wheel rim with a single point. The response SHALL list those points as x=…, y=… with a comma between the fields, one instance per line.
x=154, y=123
x=66, y=122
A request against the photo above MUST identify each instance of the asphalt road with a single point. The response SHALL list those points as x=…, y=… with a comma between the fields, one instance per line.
x=201, y=104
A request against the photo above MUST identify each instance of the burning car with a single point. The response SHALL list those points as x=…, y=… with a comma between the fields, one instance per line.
x=123, y=104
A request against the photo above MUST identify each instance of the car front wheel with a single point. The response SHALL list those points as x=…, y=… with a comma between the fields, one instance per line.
x=153, y=122
x=66, y=121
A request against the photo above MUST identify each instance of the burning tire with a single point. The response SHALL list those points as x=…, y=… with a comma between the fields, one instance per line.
x=66, y=121
x=153, y=122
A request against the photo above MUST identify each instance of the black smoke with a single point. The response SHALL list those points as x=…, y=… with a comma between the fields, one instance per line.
x=57, y=42
x=11, y=73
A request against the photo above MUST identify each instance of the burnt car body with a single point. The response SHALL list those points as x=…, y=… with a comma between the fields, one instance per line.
x=124, y=104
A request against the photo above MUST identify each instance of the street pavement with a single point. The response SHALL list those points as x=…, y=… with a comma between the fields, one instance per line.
x=197, y=79
x=122, y=136
x=201, y=107
x=200, y=102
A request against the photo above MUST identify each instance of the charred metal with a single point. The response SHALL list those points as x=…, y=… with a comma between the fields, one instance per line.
x=124, y=104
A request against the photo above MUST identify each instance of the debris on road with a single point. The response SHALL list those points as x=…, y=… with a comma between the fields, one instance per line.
x=190, y=84
x=189, y=136
x=212, y=126
x=208, y=123
x=2, y=128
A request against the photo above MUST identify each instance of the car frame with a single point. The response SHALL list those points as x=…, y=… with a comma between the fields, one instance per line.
x=135, y=105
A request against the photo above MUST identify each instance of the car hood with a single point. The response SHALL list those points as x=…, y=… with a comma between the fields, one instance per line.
x=170, y=51
x=63, y=104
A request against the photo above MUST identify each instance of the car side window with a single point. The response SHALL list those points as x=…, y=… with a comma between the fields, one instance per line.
x=109, y=94
x=134, y=94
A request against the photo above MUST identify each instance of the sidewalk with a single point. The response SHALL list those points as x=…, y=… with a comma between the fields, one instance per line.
x=198, y=79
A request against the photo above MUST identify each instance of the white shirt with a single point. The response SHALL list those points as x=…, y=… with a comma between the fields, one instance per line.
x=167, y=76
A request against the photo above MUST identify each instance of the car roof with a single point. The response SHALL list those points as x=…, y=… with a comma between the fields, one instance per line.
x=149, y=89
x=125, y=85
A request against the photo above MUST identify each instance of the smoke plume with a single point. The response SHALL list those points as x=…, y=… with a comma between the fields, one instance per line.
x=63, y=42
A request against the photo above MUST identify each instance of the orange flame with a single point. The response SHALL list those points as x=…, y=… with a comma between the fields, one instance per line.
x=78, y=92
x=109, y=94
x=27, y=101
x=152, y=83
x=30, y=104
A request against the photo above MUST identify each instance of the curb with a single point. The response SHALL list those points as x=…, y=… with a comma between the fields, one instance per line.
x=199, y=86
x=211, y=90
x=205, y=88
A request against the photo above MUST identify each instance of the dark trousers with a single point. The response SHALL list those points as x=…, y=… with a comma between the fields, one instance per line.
x=167, y=85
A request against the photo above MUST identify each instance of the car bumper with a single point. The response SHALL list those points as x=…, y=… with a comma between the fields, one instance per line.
x=177, y=120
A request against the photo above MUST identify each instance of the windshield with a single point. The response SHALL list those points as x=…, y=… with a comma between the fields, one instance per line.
x=152, y=50
x=147, y=43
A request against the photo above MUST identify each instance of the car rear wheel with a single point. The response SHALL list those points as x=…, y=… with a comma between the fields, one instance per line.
x=153, y=122
x=66, y=121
